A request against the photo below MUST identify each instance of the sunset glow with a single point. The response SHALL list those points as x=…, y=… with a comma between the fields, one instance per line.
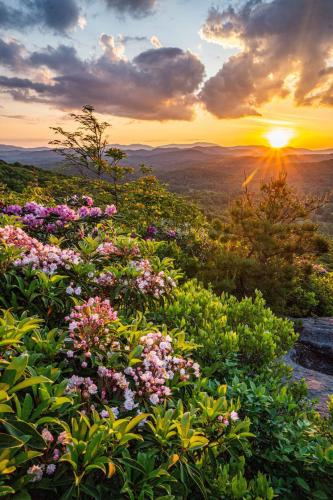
x=279, y=137
x=200, y=81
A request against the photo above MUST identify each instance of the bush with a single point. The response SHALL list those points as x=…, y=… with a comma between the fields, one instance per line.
x=101, y=385
x=224, y=327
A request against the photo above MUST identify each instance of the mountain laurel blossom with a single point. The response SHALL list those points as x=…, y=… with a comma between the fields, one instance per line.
x=88, y=324
x=148, y=380
x=37, y=217
x=46, y=258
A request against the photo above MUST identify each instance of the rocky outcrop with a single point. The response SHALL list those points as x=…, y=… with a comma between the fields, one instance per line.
x=319, y=384
x=312, y=357
x=317, y=333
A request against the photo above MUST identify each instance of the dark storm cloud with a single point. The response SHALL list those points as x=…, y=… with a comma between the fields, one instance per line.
x=158, y=84
x=55, y=15
x=135, y=8
x=284, y=49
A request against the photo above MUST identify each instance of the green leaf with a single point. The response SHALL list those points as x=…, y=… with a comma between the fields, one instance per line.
x=6, y=490
x=303, y=484
x=21, y=429
x=15, y=369
x=135, y=421
x=27, y=407
x=8, y=441
x=28, y=382
x=6, y=409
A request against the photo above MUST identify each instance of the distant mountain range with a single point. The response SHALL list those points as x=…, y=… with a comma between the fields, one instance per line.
x=170, y=156
x=208, y=173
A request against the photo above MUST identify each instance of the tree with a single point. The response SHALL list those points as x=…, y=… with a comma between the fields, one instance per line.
x=275, y=223
x=87, y=148
x=115, y=171
x=268, y=242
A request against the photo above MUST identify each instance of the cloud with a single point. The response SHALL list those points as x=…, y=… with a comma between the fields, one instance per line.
x=158, y=84
x=284, y=50
x=11, y=54
x=58, y=16
x=155, y=42
x=14, y=117
x=135, y=8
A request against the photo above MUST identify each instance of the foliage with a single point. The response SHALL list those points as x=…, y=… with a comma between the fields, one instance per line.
x=119, y=376
x=267, y=238
x=224, y=327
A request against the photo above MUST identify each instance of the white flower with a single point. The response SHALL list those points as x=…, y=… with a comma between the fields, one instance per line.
x=234, y=415
x=50, y=469
x=154, y=399
x=115, y=411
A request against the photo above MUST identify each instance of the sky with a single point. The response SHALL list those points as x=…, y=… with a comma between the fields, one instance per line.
x=169, y=71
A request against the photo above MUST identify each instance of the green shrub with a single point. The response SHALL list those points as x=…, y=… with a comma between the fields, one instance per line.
x=224, y=327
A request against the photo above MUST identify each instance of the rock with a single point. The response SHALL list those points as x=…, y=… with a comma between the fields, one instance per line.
x=319, y=384
x=317, y=333
x=312, y=357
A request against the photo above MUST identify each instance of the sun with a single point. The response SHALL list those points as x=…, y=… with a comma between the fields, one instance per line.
x=279, y=137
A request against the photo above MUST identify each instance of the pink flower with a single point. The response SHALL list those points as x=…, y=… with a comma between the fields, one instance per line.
x=234, y=415
x=47, y=436
x=110, y=210
x=63, y=438
x=88, y=324
x=88, y=200
x=36, y=471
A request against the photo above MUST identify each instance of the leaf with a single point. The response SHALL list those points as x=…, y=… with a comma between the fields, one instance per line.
x=15, y=369
x=135, y=421
x=21, y=429
x=6, y=490
x=129, y=437
x=6, y=409
x=27, y=407
x=28, y=382
x=23, y=457
x=111, y=469
x=303, y=484
x=9, y=441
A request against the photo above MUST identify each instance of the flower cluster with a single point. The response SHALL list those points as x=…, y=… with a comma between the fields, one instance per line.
x=88, y=324
x=108, y=248
x=126, y=249
x=151, y=283
x=78, y=201
x=52, y=219
x=105, y=279
x=46, y=258
x=148, y=380
x=55, y=448
x=225, y=419
x=16, y=237
x=83, y=385
x=36, y=471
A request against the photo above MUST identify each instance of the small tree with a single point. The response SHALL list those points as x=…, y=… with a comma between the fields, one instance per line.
x=275, y=223
x=87, y=148
x=269, y=242
x=115, y=171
